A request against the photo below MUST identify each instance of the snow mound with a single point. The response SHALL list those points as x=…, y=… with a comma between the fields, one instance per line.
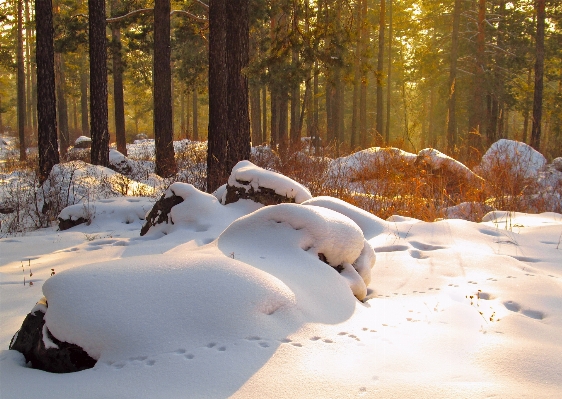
x=157, y=304
x=351, y=166
x=369, y=224
x=512, y=157
x=436, y=160
x=321, y=232
x=200, y=216
x=248, y=178
x=125, y=210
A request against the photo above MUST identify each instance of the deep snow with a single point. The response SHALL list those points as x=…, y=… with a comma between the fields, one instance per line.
x=233, y=300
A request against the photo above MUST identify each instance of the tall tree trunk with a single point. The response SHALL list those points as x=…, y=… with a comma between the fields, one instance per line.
x=162, y=88
x=46, y=110
x=354, y=139
x=1, y=122
x=62, y=106
x=264, y=114
x=218, y=118
x=432, y=136
x=98, y=83
x=84, y=96
x=526, y=110
x=21, y=83
x=363, y=93
x=389, y=75
x=256, y=114
x=237, y=59
x=539, y=75
x=195, y=106
x=74, y=116
x=380, y=72
x=452, y=100
x=118, y=98
x=295, y=89
x=477, y=115
x=274, y=100
x=182, y=115
x=28, y=85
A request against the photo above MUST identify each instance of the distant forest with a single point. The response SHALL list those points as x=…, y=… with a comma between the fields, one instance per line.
x=455, y=75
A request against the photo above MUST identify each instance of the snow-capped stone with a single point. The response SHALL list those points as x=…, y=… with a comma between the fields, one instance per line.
x=248, y=181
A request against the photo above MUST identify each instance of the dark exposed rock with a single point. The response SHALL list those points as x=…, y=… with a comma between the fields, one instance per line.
x=159, y=212
x=62, y=357
x=263, y=195
x=65, y=224
x=83, y=142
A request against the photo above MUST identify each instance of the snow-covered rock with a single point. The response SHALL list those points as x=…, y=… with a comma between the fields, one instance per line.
x=43, y=350
x=326, y=235
x=437, y=162
x=248, y=181
x=512, y=158
x=83, y=142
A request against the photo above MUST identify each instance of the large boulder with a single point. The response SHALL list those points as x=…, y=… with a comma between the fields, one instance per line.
x=43, y=350
x=248, y=181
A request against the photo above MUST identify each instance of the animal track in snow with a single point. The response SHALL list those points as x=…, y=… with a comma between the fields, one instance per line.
x=525, y=259
x=392, y=248
x=425, y=247
x=516, y=308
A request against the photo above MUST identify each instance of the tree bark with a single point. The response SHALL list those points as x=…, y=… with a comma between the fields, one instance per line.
x=477, y=114
x=380, y=72
x=162, y=88
x=452, y=100
x=195, y=105
x=84, y=96
x=264, y=115
x=21, y=83
x=218, y=117
x=46, y=110
x=98, y=83
x=118, y=97
x=389, y=73
x=62, y=106
x=255, y=114
x=237, y=59
x=539, y=75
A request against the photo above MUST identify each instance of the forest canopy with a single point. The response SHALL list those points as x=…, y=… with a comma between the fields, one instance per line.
x=454, y=75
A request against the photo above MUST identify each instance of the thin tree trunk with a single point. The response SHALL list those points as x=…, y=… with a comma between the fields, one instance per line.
x=389, y=75
x=477, y=115
x=62, y=107
x=21, y=83
x=74, y=116
x=46, y=110
x=264, y=114
x=539, y=76
x=432, y=136
x=256, y=115
x=28, y=101
x=118, y=97
x=452, y=100
x=84, y=96
x=98, y=83
x=218, y=118
x=380, y=72
x=195, y=106
x=363, y=93
x=182, y=115
x=354, y=139
x=526, y=110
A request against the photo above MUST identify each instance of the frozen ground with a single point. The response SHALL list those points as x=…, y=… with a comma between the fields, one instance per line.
x=453, y=309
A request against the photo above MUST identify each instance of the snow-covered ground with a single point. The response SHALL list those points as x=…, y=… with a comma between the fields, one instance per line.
x=454, y=308
x=233, y=301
